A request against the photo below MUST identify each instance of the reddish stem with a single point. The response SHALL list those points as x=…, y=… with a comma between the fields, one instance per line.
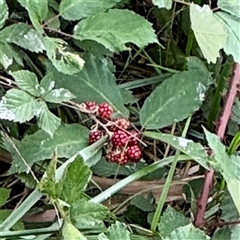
x=220, y=130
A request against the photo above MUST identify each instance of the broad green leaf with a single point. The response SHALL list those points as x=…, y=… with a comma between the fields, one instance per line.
x=47, y=121
x=47, y=83
x=194, y=150
x=87, y=214
x=222, y=234
x=24, y=36
x=146, y=204
x=74, y=181
x=230, y=6
x=194, y=63
x=171, y=220
x=3, y=12
x=228, y=210
x=8, y=54
x=18, y=106
x=69, y=230
x=209, y=32
x=4, y=195
x=27, y=81
x=163, y=3
x=58, y=95
x=37, y=10
x=94, y=83
x=228, y=166
x=131, y=28
x=187, y=232
x=115, y=231
x=175, y=99
x=68, y=140
x=75, y=10
x=235, y=232
x=61, y=57
x=233, y=40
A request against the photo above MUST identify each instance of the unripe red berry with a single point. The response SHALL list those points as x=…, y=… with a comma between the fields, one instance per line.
x=91, y=106
x=133, y=138
x=134, y=153
x=95, y=136
x=118, y=157
x=119, y=138
x=104, y=110
x=122, y=123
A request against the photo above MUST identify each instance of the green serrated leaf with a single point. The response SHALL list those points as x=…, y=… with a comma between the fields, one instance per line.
x=58, y=95
x=235, y=232
x=18, y=106
x=116, y=231
x=170, y=221
x=233, y=40
x=24, y=36
x=163, y=3
x=194, y=150
x=68, y=140
x=187, y=232
x=69, y=230
x=3, y=12
x=73, y=183
x=228, y=210
x=131, y=28
x=4, y=195
x=230, y=6
x=222, y=234
x=175, y=99
x=94, y=83
x=27, y=81
x=87, y=214
x=47, y=121
x=227, y=165
x=76, y=10
x=209, y=32
x=61, y=57
x=37, y=10
x=4, y=214
x=8, y=54
x=47, y=83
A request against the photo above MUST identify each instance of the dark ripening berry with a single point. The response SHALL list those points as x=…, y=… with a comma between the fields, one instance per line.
x=95, y=136
x=119, y=138
x=133, y=138
x=134, y=153
x=104, y=110
x=120, y=158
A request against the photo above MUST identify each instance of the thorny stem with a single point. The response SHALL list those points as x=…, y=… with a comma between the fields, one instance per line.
x=220, y=130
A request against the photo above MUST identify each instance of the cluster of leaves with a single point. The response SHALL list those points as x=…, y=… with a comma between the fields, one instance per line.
x=57, y=54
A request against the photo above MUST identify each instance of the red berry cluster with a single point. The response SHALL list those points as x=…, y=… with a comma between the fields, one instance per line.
x=123, y=145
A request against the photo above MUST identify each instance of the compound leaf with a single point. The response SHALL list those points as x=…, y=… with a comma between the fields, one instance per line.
x=24, y=36
x=3, y=12
x=18, y=106
x=37, y=10
x=209, y=32
x=47, y=120
x=27, y=81
x=233, y=40
x=96, y=81
x=68, y=139
x=61, y=57
x=131, y=28
x=75, y=10
x=175, y=99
